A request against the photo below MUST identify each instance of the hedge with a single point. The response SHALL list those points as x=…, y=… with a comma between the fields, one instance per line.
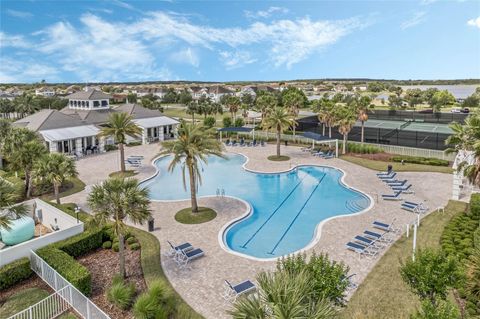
x=82, y=243
x=15, y=272
x=362, y=148
x=77, y=274
x=420, y=160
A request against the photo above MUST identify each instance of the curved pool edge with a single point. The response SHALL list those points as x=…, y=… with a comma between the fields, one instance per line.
x=222, y=232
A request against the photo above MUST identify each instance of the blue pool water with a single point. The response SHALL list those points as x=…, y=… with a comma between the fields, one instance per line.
x=286, y=207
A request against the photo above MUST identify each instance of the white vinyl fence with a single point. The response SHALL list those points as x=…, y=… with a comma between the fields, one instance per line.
x=66, y=296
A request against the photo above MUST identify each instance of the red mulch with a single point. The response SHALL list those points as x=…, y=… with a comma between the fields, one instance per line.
x=32, y=282
x=103, y=265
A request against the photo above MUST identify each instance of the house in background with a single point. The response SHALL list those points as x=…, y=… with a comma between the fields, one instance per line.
x=74, y=129
x=45, y=91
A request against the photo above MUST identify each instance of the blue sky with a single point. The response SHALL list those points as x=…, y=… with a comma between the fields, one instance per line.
x=102, y=41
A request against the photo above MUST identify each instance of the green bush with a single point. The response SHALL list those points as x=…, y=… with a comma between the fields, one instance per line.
x=209, y=121
x=120, y=293
x=107, y=245
x=131, y=240
x=15, y=272
x=68, y=267
x=115, y=247
x=362, y=148
x=82, y=243
x=420, y=160
x=239, y=122
x=135, y=143
x=110, y=147
x=227, y=121
x=134, y=246
x=156, y=303
x=145, y=307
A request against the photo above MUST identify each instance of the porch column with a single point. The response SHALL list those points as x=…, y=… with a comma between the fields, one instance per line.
x=78, y=145
x=161, y=136
x=53, y=146
x=144, y=136
x=101, y=144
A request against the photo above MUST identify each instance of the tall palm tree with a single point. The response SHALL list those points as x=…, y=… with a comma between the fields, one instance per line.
x=283, y=295
x=25, y=104
x=192, y=108
x=193, y=146
x=265, y=103
x=55, y=168
x=9, y=195
x=116, y=200
x=362, y=105
x=278, y=120
x=119, y=126
x=325, y=109
x=293, y=101
x=233, y=104
x=467, y=137
x=345, y=118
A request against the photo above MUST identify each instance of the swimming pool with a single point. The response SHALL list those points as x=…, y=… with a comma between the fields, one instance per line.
x=285, y=207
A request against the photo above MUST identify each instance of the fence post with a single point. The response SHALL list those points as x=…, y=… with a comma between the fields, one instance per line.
x=88, y=309
x=41, y=269
x=30, y=313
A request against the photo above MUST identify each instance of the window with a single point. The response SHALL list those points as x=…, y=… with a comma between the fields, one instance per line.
x=104, y=102
x=96, y=103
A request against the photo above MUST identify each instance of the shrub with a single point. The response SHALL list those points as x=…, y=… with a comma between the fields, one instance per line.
x=209, y=121
x=134, y=143
x=444, y=310
x=110, y=147
x=134, y=246
x=362, y=148
x=82, y=243
x=420, y=160
x=68, y=267
x=107, y=245
x=115, y=247
x=157, y=303
x=239, y=122
x=227, y=121
x=145, y=307
x=131, y=240
x=120, y=293
x=15, y=272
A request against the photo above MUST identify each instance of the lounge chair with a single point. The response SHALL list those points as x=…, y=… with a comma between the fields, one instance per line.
x=361, y=250
x=419, y=207
x=233, y=292
x=386, y=227
x=377, y=236
x=396, y=183
x=368, y=242
x=183, y=258
x=388, y=177
x=174, y=250
x=395, y=196
x=227, y=143
x=319, y=153
x=404, y=189
x=384, y=173
x=331, y=155
x=234, y=143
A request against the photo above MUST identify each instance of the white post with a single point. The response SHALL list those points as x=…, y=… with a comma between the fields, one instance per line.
x=414, y=241
x=88, y=309
x=418, y=219
x=407, y=226
x=336, y=148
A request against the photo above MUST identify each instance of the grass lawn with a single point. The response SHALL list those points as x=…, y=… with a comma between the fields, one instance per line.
x=152, y=270
x=276, y=158
x=176, y=112
x=127, y=173
x=382, y=166
x=75, y=185
x=21, y=301
x=383, y=294
x=185, y=216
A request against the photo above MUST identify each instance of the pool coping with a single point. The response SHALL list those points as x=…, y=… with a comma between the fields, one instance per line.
x=222, y=232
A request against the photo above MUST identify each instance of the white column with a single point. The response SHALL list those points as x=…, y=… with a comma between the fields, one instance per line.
x=101, y=144
x=161, y=136
x=78, y=145
x=53, y=146
x=144, y=136
x=457, y=182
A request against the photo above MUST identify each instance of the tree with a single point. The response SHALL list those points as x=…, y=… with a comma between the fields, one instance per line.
x=362, y=105
x=293, y=101
x=324, y=107
x=466, y=137
x=170, y=96
x=444, y=310
x=192, y=108
x=25, y=104
x=283, y=295
x=233, y=104
x=431, y=275
x=414, y=97
x=209, y=121
x=184, y=97
x=119, y=126
x=55, y=168
x=472, y=286
x=9, y=211
x=131, y=98
x=248, y=99
x=115, y=201
x=265, y=103
x=345, y=118
x=278, y=120
x=395, y=101
x=375, y=87
x=428, y=95
x=227, y=121
x=193, y=146
x=441, y=99
x=473, y=101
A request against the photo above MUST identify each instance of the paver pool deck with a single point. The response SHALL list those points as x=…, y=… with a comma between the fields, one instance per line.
x=202, y=285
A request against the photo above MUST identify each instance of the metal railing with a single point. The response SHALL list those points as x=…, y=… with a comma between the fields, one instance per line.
x=66, y=291
x=50, y=307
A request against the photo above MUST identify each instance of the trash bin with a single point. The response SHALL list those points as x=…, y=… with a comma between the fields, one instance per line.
x=389, y=168
x=151, y=224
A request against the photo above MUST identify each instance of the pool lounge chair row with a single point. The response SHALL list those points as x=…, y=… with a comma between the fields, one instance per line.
x=370, y=242
x=327, y=155
x=243, y=143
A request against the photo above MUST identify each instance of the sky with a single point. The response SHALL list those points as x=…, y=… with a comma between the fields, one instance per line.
x=123, y=41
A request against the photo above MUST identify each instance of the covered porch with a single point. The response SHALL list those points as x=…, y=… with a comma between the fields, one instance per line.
x=77, y=141
x=157, y=128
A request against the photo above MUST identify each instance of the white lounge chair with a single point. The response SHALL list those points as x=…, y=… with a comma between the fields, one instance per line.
x=231, y=292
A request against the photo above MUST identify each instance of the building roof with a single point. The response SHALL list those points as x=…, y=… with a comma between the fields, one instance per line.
x=68, y=133
x=48, y=119
x=137, y=111
x=89, y=94
x=218, y=89
x=155, y=121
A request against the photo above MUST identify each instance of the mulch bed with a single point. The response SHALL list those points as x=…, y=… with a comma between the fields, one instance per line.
x=103, y=265
x=32, y=282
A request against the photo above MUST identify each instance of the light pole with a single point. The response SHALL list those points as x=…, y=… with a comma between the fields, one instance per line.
x=77, y=210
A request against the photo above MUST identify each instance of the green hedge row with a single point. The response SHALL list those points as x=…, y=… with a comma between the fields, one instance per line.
x=82, y=243
x=77, y=274
x=15, y=272
x=363, y=148
x=420, y=160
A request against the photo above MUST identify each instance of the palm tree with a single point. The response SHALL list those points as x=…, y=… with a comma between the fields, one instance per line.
x=283, y=295
x=293, y=101
x=325, y=109
x=192, y=108
x=278, y=120
x=119, y=126
x=265, y=103
x=345, y=118
x=55, y=168
x=25, y=104
x=466, y=137
x=9, y=195
x=233, y=103
x=362, y=106
x=194, y=144
x=116, y=200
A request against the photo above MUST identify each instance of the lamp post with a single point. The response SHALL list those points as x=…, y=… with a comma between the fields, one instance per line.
x=77, y=210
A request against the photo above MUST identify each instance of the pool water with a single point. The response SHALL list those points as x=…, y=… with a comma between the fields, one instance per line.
x=286, y=207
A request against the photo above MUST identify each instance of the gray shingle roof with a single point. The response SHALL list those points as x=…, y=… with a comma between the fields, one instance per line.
x=90, y=94
x=47, y=120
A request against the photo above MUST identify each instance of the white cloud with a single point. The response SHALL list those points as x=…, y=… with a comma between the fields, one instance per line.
x=236, y=59
x=19, y=14
x=15, y=41
x=418, y=17
x=188, y=56
x=474, y=22
x=15, y=71
x=265, y=13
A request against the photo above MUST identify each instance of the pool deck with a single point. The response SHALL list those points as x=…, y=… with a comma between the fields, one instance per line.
x=202, y=285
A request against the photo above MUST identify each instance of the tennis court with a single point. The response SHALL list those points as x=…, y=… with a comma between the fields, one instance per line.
x=408, y=126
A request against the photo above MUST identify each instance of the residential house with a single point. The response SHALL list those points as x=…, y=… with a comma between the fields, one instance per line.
x=45, y=91
x=253, y=90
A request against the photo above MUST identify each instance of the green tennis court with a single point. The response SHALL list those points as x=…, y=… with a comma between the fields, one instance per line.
x=408, y=126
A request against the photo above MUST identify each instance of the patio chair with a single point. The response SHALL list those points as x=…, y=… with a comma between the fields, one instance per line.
x=419, y=206
x=404, y=189
x=227, y=142
x=174, y=250
x=387, y=177
x=231, y=292
x=184, y=258
x=384, y=173
x=330, y=155
x=386, y=227
x=395, y=196
x=234, y=143
x=377, y=236
x=396, y=182
x=368, y=242
x=361, y=250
